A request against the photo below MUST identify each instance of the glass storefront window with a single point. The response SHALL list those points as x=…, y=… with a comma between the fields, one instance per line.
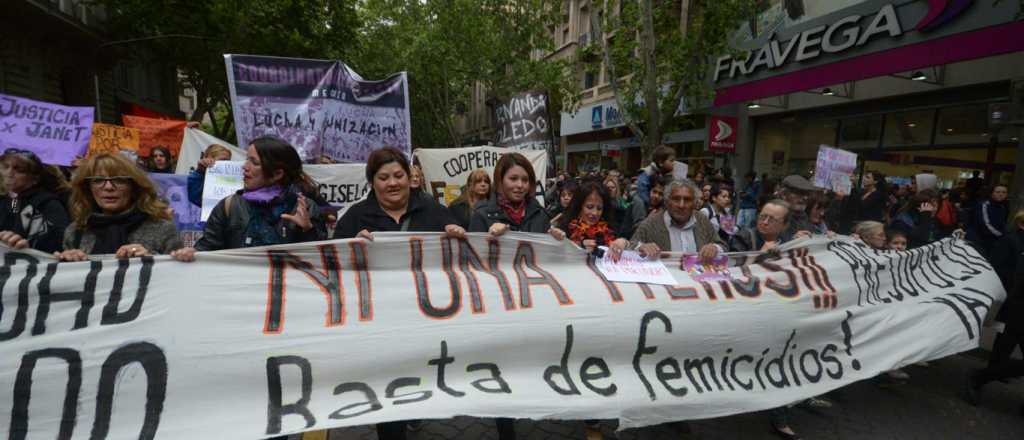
x=789, y=146
x=909, y=128
x=966, y=124
x=860, y=133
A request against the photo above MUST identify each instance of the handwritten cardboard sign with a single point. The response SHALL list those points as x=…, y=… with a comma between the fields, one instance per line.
x=112, y=139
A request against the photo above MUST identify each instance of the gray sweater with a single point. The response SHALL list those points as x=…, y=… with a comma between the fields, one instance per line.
x=157, y=236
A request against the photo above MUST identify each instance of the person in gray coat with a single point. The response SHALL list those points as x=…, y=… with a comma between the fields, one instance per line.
x=678, y=227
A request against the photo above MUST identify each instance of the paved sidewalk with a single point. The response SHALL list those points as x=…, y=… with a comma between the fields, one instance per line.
x=927, y=407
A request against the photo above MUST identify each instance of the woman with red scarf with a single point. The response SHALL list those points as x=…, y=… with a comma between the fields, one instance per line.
x=512, y=206
x=586, y=220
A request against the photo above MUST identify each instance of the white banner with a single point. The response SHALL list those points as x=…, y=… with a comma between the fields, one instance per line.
x=446, y=169
x=250, y=343
x=221, y=180
x=195, y=143
x=341, y=185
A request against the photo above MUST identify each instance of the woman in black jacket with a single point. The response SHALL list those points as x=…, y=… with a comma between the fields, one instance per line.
x=917, y=219
x=867, y=204
x=276, y=205
x=512, y=206
x=478, y=189
x=390, y=205
x=31, y=213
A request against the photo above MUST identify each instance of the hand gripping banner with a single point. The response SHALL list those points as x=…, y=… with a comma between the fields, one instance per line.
x=251, y=343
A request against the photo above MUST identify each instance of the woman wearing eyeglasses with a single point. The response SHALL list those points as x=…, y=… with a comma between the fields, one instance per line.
x=276, y=205
x=32, y=214
x=115, y=209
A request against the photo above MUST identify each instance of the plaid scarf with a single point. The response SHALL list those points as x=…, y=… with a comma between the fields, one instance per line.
x=599, y=232
x=514, y=211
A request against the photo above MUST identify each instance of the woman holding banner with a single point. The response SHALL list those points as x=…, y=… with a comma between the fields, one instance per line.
x=116, y=210
x=392, y=206
x=512, y=206
x=276, y=204
x=33, y=215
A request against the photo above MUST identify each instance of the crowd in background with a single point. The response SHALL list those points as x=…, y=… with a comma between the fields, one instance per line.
x=106, y=204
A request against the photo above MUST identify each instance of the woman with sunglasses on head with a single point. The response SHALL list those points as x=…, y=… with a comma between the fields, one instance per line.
x=115, y=209
x=32, y=214
x=276, y=205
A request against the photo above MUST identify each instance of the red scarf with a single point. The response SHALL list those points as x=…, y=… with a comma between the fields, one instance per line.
x=514, y=212
x=600, y=232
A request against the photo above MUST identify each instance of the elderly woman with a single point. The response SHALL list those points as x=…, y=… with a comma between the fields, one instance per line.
x=31, y=213
x=276, y=204
x=115, y=209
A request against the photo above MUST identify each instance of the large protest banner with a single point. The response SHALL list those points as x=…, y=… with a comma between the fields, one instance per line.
x=322, y=107
x=524, y=122
x=113, y=139
x=446, y=169
x=194, y=144
x=157, y=133
x=56, y=133
x=250, y=343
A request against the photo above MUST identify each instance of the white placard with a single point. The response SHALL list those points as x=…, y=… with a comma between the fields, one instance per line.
x=633, y=268
x=222, y=180
x=680, y=170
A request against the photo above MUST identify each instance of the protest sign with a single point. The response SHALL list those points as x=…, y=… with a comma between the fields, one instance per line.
x=173, y=188
x=680, y=170
x=322, y=107
x=523, y=122
x=633, y=268
x=832, y=167
x=113, y=139
x=446, y=169
x=56, y=133
x=193, y=145
x=258, y=342
x=341, y=185
x=156, y=133
x=222, y=180
x=926, y=181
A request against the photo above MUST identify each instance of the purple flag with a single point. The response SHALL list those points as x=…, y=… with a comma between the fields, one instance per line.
x=56, y=133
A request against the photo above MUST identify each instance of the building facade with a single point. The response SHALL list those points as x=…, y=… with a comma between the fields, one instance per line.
x=910, y=86
x=57, y=51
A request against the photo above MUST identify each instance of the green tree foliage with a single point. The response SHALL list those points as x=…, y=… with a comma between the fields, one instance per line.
x=447, y=46
x=659, y=54
x=194, y=36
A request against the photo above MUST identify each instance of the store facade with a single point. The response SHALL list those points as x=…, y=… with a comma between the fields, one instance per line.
x=911, y=86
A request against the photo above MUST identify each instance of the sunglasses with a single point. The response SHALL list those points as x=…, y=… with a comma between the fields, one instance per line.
x=116, y=181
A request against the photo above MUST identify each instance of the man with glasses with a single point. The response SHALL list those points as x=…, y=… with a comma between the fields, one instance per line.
x=796, y=190
x=770, y=231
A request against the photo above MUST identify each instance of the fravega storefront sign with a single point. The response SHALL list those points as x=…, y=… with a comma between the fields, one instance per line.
x=848, y=32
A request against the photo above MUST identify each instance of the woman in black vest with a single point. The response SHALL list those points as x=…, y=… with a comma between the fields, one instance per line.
x=31, y=213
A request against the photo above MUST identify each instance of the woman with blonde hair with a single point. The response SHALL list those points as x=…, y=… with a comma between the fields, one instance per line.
x=477, y=189
x=115, y=209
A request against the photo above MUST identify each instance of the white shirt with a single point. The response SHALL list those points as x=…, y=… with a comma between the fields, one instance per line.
x=682, y=238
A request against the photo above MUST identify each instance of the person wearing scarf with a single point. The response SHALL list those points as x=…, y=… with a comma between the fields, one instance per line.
x=276, y=205
x=586, y=220
x=115, y=209
x=512, y=206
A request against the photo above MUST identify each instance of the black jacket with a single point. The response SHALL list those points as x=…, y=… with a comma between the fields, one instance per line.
x=461, y=212
x=489, y=213
x=1008, y=262
x=38, y=216
x=227, y=227
x=423, y=215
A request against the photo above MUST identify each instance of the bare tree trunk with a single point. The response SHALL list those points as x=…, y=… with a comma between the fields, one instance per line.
x=650, y=79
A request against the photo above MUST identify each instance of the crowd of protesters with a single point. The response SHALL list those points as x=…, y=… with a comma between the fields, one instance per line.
x=108, y=205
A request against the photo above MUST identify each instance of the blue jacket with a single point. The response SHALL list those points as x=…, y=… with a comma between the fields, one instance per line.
x=195, y=187
x=643, y=182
